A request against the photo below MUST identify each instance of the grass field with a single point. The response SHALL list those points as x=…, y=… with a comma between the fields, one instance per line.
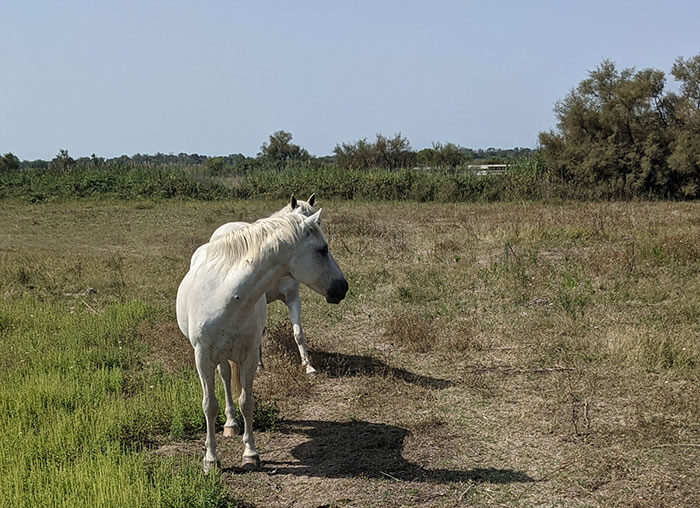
x=495, y=354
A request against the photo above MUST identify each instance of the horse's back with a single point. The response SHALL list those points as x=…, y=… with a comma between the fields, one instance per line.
x=191, y=291
x=181, y=303
x=199, y=255
x=226, y=228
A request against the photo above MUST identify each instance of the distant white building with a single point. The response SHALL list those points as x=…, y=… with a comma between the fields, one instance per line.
x=488, y=169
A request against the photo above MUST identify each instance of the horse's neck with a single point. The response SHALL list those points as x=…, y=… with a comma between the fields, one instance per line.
x=287, y=209
x=256, y=278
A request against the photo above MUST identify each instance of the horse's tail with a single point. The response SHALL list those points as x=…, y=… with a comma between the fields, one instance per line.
x=236, y=386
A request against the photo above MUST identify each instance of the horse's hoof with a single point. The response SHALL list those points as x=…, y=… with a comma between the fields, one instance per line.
x=231, y=431
x=310, y=371
x=251, y=463
x=211, y=465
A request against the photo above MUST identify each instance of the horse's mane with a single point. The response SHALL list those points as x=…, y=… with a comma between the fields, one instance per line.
x=259, y=239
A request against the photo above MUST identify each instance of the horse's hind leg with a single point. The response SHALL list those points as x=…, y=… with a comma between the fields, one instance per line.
x=210, y=406
x=246, y=401
x=293, y=302
x=261, y=367
x=231, y=427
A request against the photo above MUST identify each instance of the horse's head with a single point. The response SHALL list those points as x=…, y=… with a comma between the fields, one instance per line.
x=313, y=264
x=305, y=208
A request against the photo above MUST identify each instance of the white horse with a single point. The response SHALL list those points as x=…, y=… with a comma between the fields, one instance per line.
x=287, y=290
x=221, y=308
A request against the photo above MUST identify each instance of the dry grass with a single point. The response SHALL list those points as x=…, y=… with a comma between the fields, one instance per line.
x=414, y=332
x=506, y=354
x=282, y=380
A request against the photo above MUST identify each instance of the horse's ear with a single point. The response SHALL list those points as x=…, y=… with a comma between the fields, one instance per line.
x=293, y=202
x=314, y=219
x=312, y=199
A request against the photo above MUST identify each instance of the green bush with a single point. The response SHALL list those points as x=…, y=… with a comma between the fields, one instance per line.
x=116, y=181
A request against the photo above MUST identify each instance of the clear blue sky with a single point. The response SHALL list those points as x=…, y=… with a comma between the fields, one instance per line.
x=217, y=77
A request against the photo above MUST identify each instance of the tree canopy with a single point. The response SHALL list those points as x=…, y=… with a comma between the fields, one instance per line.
x=384, y=153
x=448, y=156
x=279, y=150
x=621, y=130
x=9, y=162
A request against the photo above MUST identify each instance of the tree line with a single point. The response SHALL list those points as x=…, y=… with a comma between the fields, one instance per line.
x=620, y=134
x=278, y=152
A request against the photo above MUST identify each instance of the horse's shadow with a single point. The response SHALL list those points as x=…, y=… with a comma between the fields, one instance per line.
x=372, y=450
x=342, y=365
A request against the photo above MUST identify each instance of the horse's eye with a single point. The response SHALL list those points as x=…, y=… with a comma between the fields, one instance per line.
x=323, y=251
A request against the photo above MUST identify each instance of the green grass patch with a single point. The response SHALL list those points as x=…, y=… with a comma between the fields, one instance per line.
x=78, y=412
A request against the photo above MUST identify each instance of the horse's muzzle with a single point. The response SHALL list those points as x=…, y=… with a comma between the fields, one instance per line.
x=337, y=291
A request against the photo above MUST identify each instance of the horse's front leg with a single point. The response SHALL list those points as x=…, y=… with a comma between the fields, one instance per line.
x=246, y=401
x=293, y=302
x=231, y=427
x=206, y=367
